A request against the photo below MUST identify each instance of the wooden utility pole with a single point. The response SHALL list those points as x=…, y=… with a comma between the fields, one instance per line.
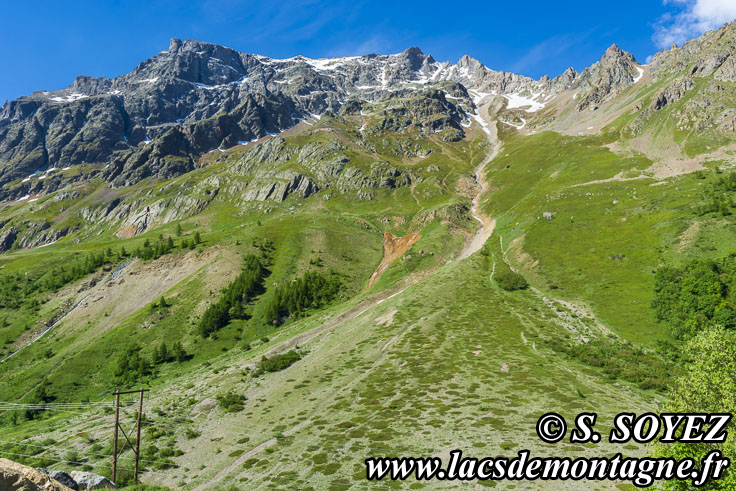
x=137, y=448
x=115, y=437
x=138, y=438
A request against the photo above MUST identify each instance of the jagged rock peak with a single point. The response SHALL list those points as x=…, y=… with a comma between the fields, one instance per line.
x=469, y=61
x=174, y=45
x=615, y=52
x=413, y=57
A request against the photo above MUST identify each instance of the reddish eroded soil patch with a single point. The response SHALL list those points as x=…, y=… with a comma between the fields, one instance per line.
x=393, y=248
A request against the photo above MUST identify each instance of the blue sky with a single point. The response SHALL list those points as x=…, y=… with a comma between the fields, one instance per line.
x=44, y=45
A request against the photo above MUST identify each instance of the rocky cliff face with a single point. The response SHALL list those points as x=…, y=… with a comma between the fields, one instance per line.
x=615, y=71
x=157, y=121
x=196, y=97
x=711, y=54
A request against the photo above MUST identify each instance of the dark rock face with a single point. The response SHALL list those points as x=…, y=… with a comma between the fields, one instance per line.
x=7, y=238
x=62, y=478
x=196, y=97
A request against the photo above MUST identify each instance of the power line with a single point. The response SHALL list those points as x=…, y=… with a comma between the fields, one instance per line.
x=50, y=447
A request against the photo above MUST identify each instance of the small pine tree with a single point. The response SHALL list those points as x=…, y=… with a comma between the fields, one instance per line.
x=123, y=252
x=197, y=238
x=179, y=354
x=170, y=243
x=178, y=230
x=192, y=244
x=162, y=303
x=156, y=356
x=163, y=353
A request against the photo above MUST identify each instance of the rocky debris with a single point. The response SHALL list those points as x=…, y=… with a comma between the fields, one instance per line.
x=62, y=477
x=666, y=96
x=138, y=216
x=393, y=248
x=22, y=477
x=88, y=481
x=672, y=92
x=457, y=215
x=279, y=186
x=8, y=235
x=364, y=195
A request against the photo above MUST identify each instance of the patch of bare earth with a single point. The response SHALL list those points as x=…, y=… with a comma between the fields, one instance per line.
x=393, y=248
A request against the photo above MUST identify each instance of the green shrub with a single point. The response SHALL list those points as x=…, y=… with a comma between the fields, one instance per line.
x=510, y=281
x=621, y=359
x=231, y=402
x=277, y=362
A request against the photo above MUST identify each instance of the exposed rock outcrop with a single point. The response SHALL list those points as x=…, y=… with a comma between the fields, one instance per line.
x=63, y=478
x=616, y=70
x=89, y=481
x=14, y=476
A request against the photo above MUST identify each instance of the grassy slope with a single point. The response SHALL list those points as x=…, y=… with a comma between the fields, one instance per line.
x=403, y=377
x=452, y=362
x=578, y=254
x=344, y=233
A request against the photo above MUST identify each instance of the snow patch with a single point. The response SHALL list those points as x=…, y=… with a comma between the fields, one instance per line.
x=516, y=100
x=69, y=98
x=641, y=74
x=482, y=123
x=478, y=96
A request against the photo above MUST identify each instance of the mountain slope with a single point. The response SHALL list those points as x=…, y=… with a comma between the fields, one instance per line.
x=583, y=186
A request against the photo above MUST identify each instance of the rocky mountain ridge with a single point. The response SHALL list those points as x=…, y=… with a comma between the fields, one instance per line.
x=196, y=97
